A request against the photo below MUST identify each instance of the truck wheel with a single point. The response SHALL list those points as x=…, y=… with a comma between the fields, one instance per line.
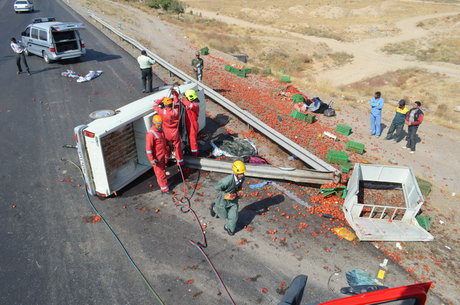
x=46, y=58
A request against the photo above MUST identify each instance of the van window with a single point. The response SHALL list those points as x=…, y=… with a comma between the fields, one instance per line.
x=27, y=32
x=43, y=35
x=34, y=33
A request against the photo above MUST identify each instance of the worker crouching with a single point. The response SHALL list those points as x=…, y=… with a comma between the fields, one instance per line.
x=155, y=146
x=226, y=204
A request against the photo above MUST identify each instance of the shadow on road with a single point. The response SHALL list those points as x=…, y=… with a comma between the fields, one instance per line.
x=99, y=56
x=249, y=212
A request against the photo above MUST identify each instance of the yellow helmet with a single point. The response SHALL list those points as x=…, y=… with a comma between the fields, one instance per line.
x=238, y=167
x=156, y=119
x=191, y=95
x=167, y=101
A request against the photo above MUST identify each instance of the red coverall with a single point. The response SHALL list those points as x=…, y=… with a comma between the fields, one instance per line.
x=170, y=116
x=155, y=147
x=191, y=123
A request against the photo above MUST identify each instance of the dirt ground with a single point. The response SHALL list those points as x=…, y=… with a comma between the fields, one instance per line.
x=436, y=159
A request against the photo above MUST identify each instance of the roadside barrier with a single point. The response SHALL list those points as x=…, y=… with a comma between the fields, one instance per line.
x=292, y=147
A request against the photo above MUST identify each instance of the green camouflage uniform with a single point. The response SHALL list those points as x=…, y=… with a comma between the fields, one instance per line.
x=228, y=209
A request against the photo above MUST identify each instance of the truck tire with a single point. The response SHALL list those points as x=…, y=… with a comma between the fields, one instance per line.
x=46, y=57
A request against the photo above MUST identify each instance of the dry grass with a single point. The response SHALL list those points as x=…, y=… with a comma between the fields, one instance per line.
x=443, y=48
x=343, y=20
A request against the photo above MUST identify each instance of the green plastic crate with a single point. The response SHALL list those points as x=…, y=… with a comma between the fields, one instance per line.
x=424, y=222
x=355, y=146
x=337, y=157
x=229, y=68
x=310, y=118
x=246, y=70
x=298, y=98
x=204, y=51
x=425, y=186
x=346, y=167
x=240, y=74
x=343, y=129
x=299, y=115
x=285, y=79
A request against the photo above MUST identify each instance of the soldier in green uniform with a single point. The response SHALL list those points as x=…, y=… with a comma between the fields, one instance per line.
x=229, y=188
x=198, y=65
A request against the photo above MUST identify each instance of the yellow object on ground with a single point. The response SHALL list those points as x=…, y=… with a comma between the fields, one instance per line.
x=345, y=233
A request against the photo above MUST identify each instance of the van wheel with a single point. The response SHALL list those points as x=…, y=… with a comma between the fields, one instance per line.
x=46, y=58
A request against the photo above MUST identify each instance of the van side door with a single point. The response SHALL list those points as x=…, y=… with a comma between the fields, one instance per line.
x=25, y=38
x=34, y=44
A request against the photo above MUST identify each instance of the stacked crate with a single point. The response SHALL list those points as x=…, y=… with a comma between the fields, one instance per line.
x=355, y=146
x=343, y=129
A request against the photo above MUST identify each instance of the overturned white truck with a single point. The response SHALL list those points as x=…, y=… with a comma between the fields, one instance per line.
x=112, y=154
x=112, y=149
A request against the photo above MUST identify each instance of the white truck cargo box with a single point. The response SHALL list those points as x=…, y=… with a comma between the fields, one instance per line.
x=112, y=149
x=386, y=218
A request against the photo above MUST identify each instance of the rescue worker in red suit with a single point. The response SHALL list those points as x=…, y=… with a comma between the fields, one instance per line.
x=170, y=113
x=155, y=147
x=192, y=107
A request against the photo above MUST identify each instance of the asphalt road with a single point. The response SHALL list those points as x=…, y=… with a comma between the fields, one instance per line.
x=50, y=255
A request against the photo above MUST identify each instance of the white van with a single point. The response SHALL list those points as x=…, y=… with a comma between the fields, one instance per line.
x=53, y=40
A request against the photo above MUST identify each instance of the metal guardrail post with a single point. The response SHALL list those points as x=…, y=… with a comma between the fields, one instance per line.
x=245, y=116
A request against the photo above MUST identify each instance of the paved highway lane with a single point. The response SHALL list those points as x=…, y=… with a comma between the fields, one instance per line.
x=49, y=256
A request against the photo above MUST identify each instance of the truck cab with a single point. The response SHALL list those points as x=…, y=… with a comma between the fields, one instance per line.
x=52, y=40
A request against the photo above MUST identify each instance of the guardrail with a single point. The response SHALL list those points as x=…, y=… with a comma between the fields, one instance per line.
x=243, y=115
x=264, y=171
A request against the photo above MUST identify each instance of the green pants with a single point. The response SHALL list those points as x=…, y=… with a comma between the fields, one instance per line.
x=227, y=210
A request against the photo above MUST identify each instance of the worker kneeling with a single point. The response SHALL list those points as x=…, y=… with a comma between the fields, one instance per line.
x=170, y=114
x=192, y=112
x=229, y=188
x=155, y=147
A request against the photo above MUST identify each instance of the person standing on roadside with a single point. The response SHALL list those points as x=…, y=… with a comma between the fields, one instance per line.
x=19, y=50
x=397, y=125
x=198, y=65
x=145, y=64
x=155, y=148
x=376, y=104
x=413, y=120
x=226, y=204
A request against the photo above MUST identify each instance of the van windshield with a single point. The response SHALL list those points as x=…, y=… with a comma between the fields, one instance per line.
x=22, y=2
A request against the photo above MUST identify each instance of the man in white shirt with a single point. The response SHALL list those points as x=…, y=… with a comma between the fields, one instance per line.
x=18, y=49
x=145, y=63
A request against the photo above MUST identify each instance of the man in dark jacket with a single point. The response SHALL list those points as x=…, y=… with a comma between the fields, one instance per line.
x=413, y=120
x=397, y=125
x=229, y=188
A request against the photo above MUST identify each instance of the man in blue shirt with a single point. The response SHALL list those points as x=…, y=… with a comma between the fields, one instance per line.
x=376, y=113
